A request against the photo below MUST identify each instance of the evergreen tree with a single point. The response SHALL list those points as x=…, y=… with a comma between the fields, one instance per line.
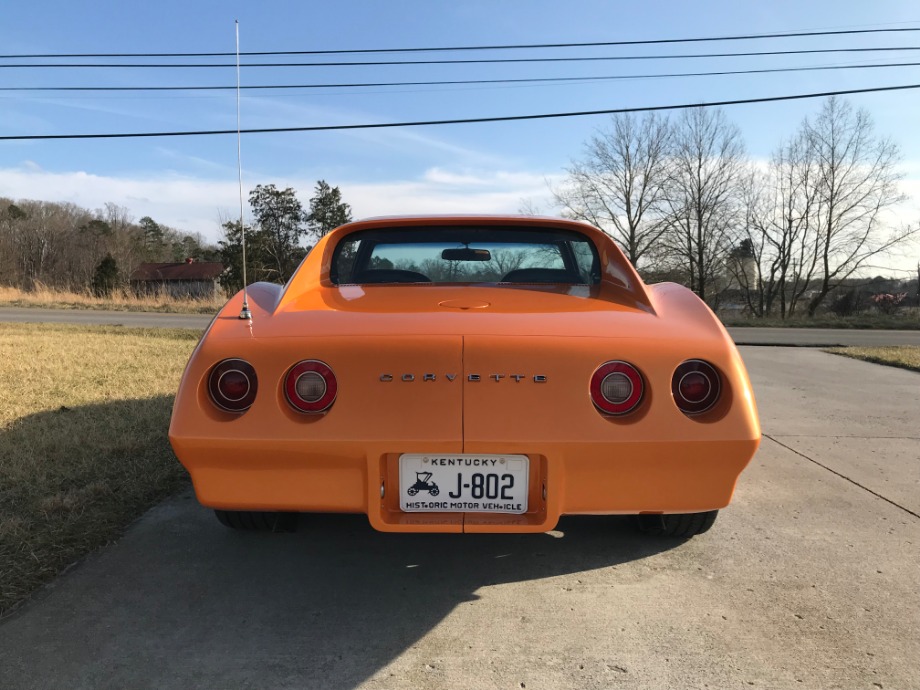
x=230, y=254
x=327, y=210
x=279, y=218
x=105, y=278
x=273, y=249
x=152, y=236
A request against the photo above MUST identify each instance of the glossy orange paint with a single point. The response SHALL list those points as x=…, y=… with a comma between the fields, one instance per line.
x=656, y=459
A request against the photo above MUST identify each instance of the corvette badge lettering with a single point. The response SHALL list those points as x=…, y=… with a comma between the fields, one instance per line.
x=474, y=378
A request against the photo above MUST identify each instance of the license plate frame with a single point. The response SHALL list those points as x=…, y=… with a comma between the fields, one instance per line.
x=503, y=485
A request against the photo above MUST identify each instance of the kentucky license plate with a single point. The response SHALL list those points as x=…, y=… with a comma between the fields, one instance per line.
x=463, y=483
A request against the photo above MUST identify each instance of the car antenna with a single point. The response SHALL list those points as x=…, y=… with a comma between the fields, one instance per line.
x=245, y=314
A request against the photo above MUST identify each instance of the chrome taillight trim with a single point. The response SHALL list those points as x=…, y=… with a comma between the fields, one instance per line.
x=692, y=366
x=216, y=375
x=290, y=386
x=604, y=405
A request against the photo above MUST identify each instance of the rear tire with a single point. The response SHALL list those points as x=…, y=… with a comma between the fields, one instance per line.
x=679, y=525
x=257, y=520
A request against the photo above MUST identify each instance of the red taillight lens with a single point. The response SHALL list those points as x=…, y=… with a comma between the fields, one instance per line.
x=616, y=388
x=696, y=386
x=233, y=385
x=310, y=386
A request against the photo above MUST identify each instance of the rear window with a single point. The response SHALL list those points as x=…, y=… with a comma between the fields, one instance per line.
x=465, y=255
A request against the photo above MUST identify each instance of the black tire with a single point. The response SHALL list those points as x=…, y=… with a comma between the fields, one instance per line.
x=678, y=525
x=264, y=521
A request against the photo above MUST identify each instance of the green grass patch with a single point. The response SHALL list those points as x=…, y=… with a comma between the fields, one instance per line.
x=83, y=444
x=903, y=356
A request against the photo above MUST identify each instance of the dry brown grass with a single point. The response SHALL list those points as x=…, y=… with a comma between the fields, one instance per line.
x=903, y=356
x=907, y=319
x=83, y=446
x=125, y=300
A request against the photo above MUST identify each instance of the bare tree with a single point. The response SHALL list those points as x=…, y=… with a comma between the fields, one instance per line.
x=125, y=241
x=704, y=195
x=528, y=206
x=12, y=219
x=779, y=212
x=858, y=178
x=38, y=243
x=619, y=185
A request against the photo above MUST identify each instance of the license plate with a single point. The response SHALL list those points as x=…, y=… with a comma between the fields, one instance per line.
x=463, y=483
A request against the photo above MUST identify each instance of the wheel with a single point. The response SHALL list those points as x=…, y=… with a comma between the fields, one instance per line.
x=680, y=525
x=257, y=520
x=412, y=491
x=434, y=491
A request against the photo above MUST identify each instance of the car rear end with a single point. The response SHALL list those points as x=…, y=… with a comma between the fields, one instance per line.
x=447, y=408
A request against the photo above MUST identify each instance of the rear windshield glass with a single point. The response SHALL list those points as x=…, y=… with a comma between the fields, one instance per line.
x=465, y=255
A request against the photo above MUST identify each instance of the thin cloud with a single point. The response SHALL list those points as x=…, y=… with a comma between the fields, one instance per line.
x=263, y=111
x=196, y=204
x=198, y=162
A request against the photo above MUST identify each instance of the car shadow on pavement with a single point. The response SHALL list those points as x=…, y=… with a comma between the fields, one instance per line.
x=184, y=602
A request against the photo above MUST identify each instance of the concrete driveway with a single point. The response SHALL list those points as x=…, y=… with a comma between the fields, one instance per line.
x=809, y=580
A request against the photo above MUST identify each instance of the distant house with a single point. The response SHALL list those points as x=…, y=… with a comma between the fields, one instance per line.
x=187, y=279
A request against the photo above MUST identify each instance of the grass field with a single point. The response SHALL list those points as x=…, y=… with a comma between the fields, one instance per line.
x=121, y=301
x=83, y=446
x=903, y=356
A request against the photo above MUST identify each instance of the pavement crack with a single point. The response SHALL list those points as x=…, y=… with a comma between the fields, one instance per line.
x=843, y=476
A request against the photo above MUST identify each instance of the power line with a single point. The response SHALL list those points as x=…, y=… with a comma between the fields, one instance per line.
x=461, y=121
x=524, y=46
x=483, y=61
x=457, y=82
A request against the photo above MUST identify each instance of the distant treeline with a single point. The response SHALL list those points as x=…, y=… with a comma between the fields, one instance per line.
x=68, y=247
x=65, y=246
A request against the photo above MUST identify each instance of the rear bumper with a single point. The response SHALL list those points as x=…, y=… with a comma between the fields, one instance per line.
x=565, y=479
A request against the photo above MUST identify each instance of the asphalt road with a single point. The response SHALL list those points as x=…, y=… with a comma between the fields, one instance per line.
x=808, y=580
x=810, y=337
x=104, y=318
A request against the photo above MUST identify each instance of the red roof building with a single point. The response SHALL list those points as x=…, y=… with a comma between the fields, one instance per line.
x=186, y=279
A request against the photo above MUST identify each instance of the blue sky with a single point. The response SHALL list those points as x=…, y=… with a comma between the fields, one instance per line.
x=190, y=183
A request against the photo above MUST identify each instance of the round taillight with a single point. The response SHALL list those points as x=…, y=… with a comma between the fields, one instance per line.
x=696, y=386
x=233, y=385
x=310, y=386
x=616, y=388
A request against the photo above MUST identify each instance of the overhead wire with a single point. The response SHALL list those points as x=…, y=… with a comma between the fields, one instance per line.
x=521, y=46
x=479, y=61
x=457, y=121
x=458, y=82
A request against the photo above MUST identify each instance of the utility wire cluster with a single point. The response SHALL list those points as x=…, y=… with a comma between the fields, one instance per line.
x=460, y=121
x=10, y=63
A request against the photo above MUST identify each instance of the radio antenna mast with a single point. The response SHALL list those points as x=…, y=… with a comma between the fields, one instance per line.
x=244, y=313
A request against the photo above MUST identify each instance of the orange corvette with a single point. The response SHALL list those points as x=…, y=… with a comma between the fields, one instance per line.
x=466, y=374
